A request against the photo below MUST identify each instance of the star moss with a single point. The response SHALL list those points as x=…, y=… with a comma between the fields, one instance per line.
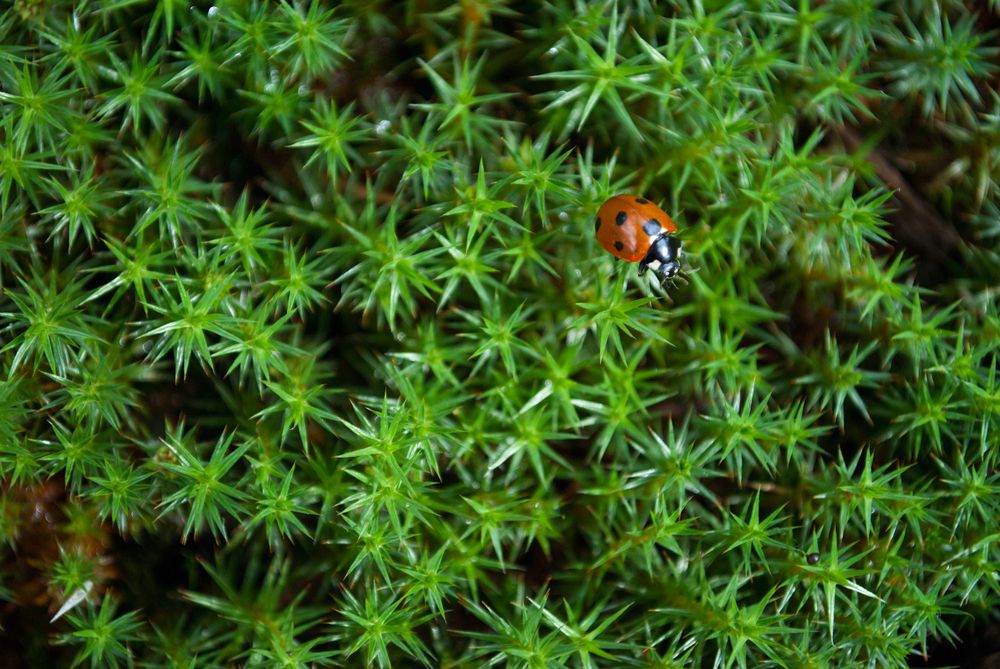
x=310, y=357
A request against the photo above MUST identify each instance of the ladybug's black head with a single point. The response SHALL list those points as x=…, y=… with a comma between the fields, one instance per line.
x=670, y=269
x=668, y=249
x=664, y=256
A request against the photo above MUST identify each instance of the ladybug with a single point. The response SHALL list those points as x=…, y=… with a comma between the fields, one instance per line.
x=634, y=229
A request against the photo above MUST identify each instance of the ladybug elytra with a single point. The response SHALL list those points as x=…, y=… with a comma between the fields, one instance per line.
x=636, y=230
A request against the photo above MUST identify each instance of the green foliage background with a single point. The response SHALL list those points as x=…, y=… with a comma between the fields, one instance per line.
x=311, y=359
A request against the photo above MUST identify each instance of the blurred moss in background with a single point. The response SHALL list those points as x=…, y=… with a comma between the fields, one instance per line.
x=310, y=357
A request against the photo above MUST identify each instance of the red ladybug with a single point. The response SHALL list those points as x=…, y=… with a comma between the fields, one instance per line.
x=634, y=229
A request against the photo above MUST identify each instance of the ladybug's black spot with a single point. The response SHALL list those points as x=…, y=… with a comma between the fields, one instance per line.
x=597, y=224
x=621, y=218
x=619, y=246
x=642, y=200
x=651, y=227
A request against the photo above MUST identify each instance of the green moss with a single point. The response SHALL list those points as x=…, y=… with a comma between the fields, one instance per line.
x=311, y=357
